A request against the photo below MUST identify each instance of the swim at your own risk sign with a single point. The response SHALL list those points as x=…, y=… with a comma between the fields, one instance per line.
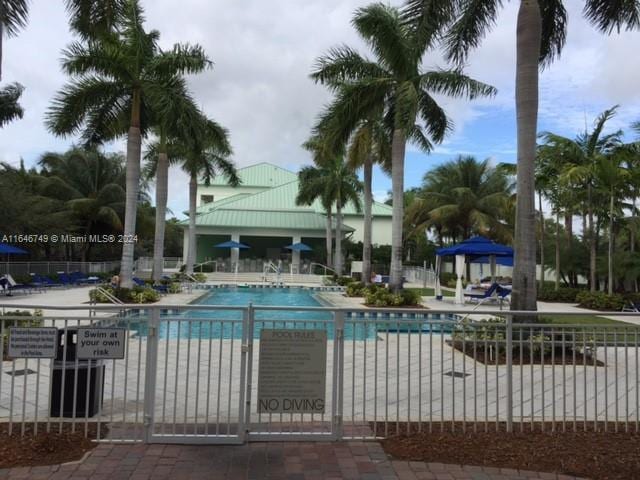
x=101, y=343
x=292, y=371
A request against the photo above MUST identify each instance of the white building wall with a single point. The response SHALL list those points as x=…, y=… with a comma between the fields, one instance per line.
x=380, y=229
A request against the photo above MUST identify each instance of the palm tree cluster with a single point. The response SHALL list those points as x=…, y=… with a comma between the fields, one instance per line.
x=77, y=193
x=393, y=88
x=124, y=85
x=593, y=177
x=381, y=103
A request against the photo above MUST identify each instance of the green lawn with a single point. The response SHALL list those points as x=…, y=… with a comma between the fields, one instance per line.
x=581, y=320
x=429, y=292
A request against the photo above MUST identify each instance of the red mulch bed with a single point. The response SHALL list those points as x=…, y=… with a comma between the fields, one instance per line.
x=596, y=455
x=44, y=448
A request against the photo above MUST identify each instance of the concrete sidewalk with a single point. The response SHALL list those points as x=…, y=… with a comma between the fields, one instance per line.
x=283, y=461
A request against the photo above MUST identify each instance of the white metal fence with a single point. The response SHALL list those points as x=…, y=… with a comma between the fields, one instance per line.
x=419, y=275
x=46, y=268
x=190, y=375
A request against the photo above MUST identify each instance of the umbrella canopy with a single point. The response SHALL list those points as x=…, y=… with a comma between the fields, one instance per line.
x=504, y=261
x=480, y=246
x=10, y=249
x=299, y=247
x=231, y=244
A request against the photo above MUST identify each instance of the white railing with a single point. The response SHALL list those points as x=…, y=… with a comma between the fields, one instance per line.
x=169, y=263
x=47, y=268
x=324, y=268
x=193, y=378
x=420, y=275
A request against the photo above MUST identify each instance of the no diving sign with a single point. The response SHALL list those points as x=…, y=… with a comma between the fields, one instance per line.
x=100, y=343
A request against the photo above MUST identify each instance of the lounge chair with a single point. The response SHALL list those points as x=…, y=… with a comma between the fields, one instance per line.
x=79, y=278
x=631, y=306
x=43, y=282
x=139, y=282
x=490, y=292
x=9, y=285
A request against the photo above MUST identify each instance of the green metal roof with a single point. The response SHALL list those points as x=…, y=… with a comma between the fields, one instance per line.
x=273, y=207
x=259, y=175
x=283, y=198
x=258, y=219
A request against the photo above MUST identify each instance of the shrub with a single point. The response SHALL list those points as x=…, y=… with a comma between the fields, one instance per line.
x=600, y=301
x=127, y=295
x=563, y=294
x=381, y=297
x=200, y=277
x=343, y=281
x=175, y=288
x=355, y=289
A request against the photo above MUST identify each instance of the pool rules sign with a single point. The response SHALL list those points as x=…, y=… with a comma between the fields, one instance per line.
x=292, y=371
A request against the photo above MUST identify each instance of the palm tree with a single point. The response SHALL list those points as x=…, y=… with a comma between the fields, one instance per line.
x=463, y=197
x=369, y=145
x=541, y=33
x=612, y=179
x=117, y=80
x=204, y=154
x=13, y=17
x=580, y=157
x=395, y=83
x=91, y=184
x=10, y=109
x=333, y=183
x=173, y=118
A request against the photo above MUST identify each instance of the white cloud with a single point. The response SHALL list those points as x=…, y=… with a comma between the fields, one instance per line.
x=263, y=52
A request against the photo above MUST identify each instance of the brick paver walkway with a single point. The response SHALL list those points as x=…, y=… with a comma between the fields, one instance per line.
x=286, y=461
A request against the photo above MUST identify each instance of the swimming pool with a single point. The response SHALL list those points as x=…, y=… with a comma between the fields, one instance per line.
x=215, y=323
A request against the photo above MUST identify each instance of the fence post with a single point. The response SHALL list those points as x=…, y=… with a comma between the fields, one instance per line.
x=338, y=375
x=250, y=316
x=150, y=373
x=509, y=342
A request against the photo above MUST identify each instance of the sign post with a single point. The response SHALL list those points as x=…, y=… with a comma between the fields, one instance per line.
x=292, y=371
x=32, y=342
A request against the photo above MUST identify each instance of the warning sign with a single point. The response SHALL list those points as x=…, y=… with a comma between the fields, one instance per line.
x=100, y=343
x=292, y=371
x=32, y=342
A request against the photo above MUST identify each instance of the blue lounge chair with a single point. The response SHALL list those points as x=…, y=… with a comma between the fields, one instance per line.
x=65, y=279
x=45, y=281
x=163, y=289
x=139, y=282
x=490, y=292
x=9, y=285
x=78, y=278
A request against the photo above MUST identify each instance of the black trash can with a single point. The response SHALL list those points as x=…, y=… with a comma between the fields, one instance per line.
x=89, y=378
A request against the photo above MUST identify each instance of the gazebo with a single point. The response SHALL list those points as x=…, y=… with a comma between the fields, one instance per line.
x=473, y=249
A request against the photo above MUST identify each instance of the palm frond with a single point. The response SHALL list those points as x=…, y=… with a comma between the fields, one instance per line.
x=610, y=15
x=474, y=21
x=13, y=15
x=10, y=108
x=344, y=64
x=554, y=30
x=454, y=83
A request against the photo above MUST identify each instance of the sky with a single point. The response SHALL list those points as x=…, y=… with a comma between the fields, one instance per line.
x=259, y=86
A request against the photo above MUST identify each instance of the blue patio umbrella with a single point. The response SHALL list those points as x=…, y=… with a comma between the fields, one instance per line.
x=10, y=249
x=299, y=247
x=504, y=261
x=232, y=244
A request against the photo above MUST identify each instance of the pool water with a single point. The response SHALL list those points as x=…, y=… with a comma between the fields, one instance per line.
x=212, y=323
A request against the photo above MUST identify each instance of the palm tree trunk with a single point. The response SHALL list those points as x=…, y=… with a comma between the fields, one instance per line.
x=541, y=240
x=338, y=259
x=162, y=190
x=329, y=239
x=529, y=33
x=366, y=240
x=632, y=236
x=592, y=242
x=1, y=35
x=557, y=285
x=191, y=252
x=398, y=146
x=132, y=181
x=610, y=263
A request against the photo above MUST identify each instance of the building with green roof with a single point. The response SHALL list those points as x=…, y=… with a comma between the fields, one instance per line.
x=261, y=213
